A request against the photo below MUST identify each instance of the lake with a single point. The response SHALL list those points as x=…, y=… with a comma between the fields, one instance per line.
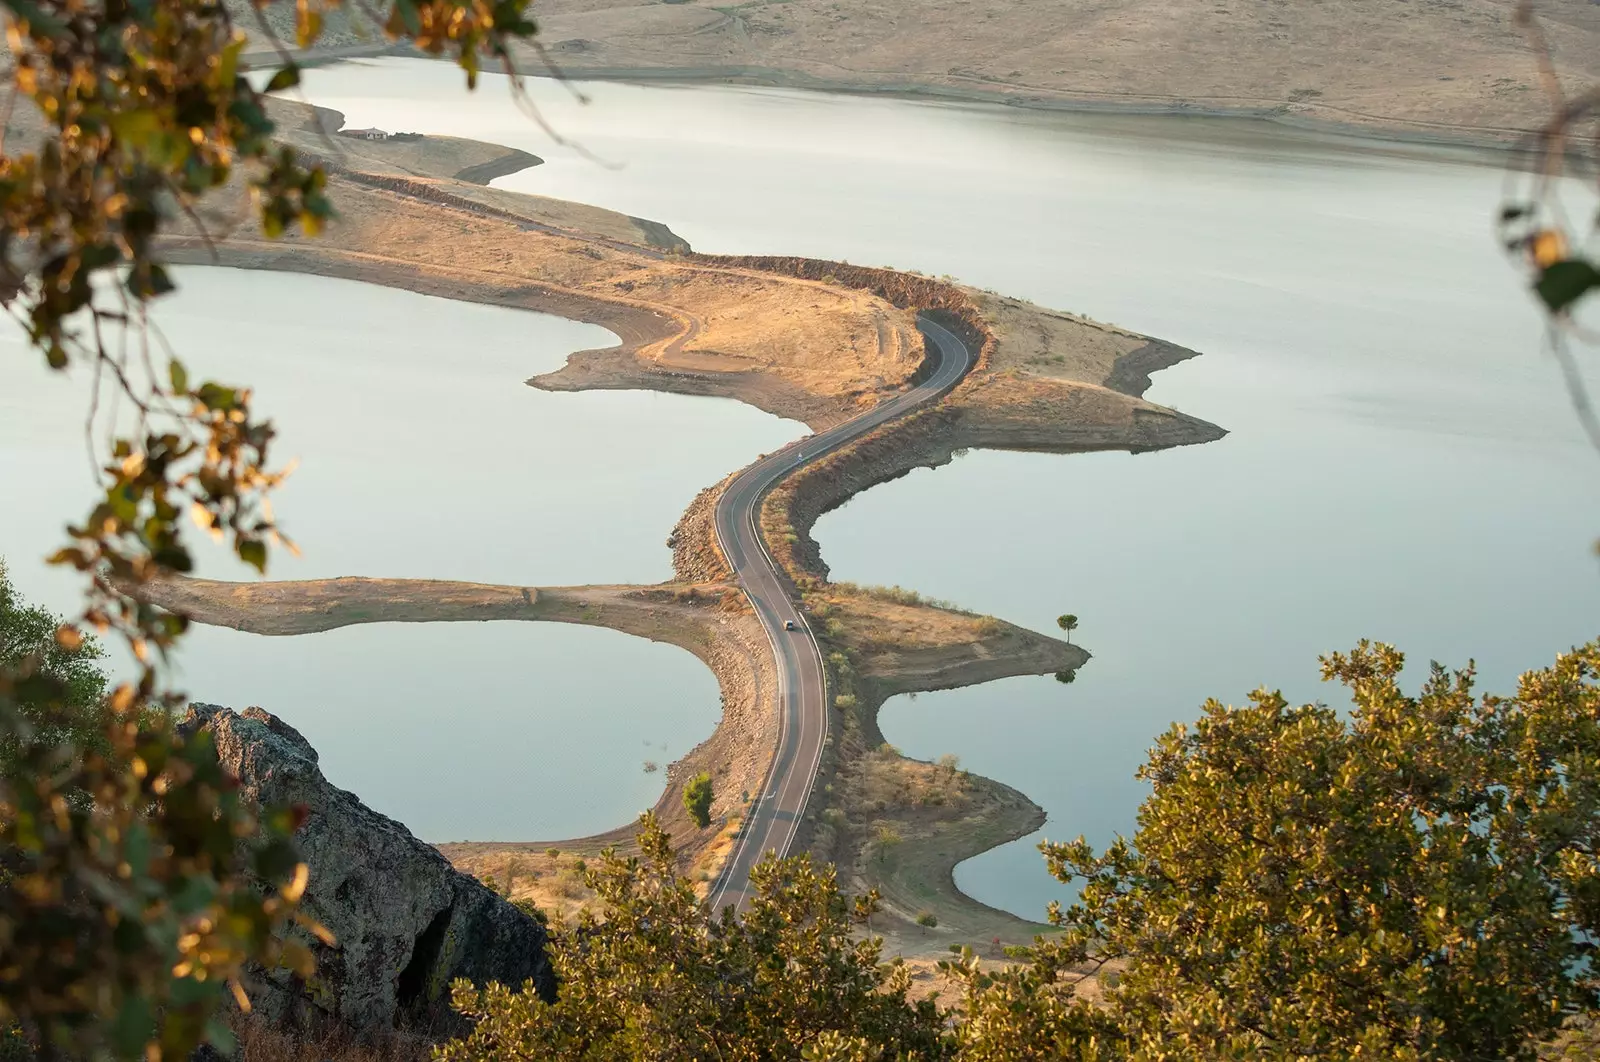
x=1402, y=463
x=423, y=455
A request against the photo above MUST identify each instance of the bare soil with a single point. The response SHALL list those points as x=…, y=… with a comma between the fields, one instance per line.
x=1425, y=67
x=1455, y=70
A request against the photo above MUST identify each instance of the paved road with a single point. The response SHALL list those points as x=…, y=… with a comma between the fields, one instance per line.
x=802, y=690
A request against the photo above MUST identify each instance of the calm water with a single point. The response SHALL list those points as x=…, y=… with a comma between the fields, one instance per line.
x=1402, y=463
x=409, y=414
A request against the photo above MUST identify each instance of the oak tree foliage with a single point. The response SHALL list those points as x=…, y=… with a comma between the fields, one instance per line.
x=136, y=884
x=1419, y=879
x=1415, y=879
x=653, y=975
x=134, y=881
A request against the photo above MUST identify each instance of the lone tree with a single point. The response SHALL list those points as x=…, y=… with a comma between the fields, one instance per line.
x=697, y=797
x=1068, y=623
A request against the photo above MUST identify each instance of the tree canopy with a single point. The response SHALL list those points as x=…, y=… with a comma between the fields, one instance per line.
x=65, y=704
x=654, y=976
x=1416, y=879
x=697, y=797
x=134, y=882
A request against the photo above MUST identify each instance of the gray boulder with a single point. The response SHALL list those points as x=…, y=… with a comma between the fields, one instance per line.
x=407, y=922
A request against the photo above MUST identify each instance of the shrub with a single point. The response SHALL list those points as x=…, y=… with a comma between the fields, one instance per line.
x=697, y=797
x=655, y=975
x=927, y=918
x=845, y=701
x=531, y=909
x=75, y=713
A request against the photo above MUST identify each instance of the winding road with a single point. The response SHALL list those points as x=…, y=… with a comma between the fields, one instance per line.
x=775, y=812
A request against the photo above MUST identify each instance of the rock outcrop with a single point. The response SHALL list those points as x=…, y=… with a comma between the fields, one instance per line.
x=407, y=923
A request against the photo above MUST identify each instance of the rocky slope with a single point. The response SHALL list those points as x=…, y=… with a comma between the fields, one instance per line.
x=407, y=923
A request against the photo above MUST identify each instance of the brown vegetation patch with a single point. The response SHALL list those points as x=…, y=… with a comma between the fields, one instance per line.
x=549, y=877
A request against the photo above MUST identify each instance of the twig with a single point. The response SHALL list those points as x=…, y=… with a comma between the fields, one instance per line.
x=5, y=117
x=525, y=104
x=1577, y=390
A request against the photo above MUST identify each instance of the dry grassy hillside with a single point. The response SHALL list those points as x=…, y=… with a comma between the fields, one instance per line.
x=1421, y=63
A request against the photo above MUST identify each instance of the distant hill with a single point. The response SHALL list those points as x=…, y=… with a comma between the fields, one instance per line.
x=1446, y=65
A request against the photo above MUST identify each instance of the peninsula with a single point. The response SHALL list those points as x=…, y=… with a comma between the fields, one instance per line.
x=796, y=761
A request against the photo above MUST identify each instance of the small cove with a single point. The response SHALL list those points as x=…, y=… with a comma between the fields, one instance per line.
x=423, y=455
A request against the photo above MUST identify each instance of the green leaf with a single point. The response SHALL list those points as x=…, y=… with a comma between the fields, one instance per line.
x=195, y=894
x=218, y=397
x=150, y=281
x=228, y=63
x=409, y=16
x=40, y=22
x=1564, y=282
x=136, y=848
x=134, y=1023
x=221, y=1037
x=276, y=860
x=254, y=553
x=179, y=376
x=286, y=78
x=136, y=128
x=188, y=990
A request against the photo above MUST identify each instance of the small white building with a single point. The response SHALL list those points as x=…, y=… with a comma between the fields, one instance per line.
x=365, y=134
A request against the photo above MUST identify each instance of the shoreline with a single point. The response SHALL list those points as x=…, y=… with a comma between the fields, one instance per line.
x=1484, y=144
x=1494, y=141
